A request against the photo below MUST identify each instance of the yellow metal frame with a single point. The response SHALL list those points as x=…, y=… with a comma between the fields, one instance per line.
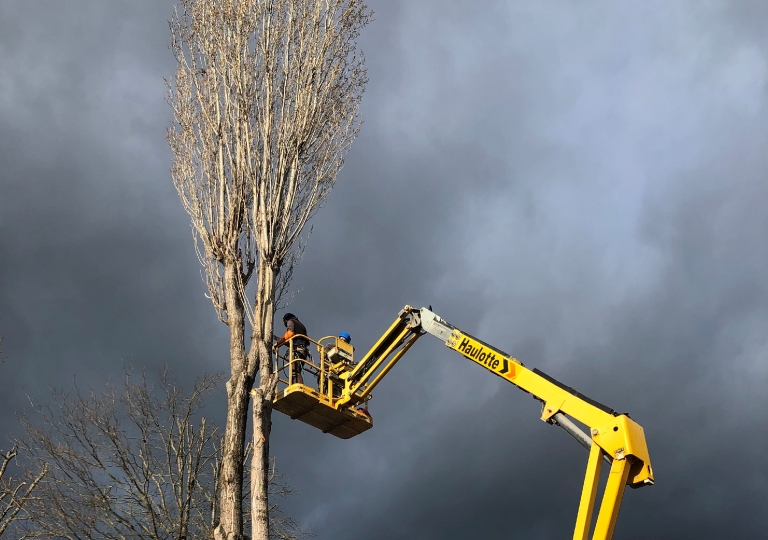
x=316, y=406
x=618, y=435
x=614, y=437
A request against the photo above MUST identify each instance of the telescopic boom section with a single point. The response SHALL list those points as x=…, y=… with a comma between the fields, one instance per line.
x=617, y=434
x=613, y=437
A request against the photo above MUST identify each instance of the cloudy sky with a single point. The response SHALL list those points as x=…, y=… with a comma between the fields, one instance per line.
x=582, y=184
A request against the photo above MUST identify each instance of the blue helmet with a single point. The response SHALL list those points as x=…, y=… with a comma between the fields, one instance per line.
x=346, y=337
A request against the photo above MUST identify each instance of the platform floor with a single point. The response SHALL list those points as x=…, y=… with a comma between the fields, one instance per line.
x=303, y=403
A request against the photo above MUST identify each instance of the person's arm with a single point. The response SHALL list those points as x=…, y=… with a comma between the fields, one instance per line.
x=288, y=334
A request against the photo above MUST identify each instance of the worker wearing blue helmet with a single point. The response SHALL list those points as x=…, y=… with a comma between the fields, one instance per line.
x=346, y=338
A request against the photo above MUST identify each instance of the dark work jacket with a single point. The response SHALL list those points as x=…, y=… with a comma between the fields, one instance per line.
x=295, y=326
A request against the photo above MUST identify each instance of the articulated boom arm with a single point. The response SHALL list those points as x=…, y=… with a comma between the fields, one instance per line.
x=382, y=357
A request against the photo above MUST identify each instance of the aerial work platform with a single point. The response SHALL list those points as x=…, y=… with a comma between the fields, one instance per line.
x=338, y=404
x=316, y=398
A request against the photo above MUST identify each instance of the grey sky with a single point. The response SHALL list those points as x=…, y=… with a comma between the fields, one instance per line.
x=581, y=184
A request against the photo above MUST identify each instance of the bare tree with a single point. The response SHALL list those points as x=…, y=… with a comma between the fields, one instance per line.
x=265, y=101
x=124, y=465
x=14, y=494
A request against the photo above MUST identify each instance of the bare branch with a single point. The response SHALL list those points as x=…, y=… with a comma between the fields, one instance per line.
x=283, y=296
x=14, y=494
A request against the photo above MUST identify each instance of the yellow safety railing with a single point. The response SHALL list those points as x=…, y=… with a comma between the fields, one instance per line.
x=291, y=369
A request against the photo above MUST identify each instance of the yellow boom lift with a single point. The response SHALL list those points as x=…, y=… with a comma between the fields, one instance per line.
x=339, y=404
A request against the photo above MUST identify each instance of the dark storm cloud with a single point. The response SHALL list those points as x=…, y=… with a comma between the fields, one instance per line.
x=580, y=184
x=91, y=272
x=615, y=242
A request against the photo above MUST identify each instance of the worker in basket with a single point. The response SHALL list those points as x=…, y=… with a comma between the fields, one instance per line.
x=329, y=350
x=346, y=338
x=294, y=327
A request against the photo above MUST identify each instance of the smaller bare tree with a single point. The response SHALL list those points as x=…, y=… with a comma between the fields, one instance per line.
x=14, y=494
x=124, y=465
x=131, y=465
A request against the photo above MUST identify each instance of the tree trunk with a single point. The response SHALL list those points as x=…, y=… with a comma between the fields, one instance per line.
x=262, y=425
x=262, y=403
x=231, y=484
